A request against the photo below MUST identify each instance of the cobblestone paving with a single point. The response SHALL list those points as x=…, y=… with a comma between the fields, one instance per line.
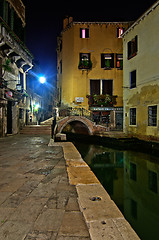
x=36, y=200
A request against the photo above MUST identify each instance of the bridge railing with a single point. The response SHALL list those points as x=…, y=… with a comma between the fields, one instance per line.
x=98, y=119
x=70, y=111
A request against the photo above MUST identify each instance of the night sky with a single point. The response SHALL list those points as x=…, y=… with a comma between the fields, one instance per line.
x=44, y=23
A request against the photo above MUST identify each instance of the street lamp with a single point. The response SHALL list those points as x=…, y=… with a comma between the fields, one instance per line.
x=42, y=80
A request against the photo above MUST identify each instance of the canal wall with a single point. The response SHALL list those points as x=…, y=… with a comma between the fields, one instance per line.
x=118, y=141
x=103, y=218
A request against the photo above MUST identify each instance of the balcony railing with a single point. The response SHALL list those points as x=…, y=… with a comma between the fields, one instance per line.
x=104, y=100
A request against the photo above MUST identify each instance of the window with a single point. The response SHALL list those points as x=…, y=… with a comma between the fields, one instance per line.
x=133, y=79
x=152, y=178
x=94, y=87
x=100, y=87
x=107, y=61
x=120, y=31
x=107, y=87
x=132, y=116
x=85, y=62
x=133, y=171
x=152, y=116
x=84, y=32
x=119, y=61
x=133, y=209
x=132, y=47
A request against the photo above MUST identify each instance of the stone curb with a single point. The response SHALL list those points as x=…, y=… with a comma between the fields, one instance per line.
x=103, y=218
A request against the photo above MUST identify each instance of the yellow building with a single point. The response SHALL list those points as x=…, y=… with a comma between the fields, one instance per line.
x=141, y=76
x=90, y=68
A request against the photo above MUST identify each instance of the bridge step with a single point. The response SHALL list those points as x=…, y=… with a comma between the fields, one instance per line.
x=47, y=122
x=36, y=130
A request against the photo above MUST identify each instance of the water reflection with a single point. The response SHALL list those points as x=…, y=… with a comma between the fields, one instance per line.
x=131, y=179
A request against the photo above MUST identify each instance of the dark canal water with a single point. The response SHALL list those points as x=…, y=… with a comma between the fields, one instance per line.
x=132, y=181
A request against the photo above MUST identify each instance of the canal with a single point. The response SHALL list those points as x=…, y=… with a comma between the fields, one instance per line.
x=132, y=181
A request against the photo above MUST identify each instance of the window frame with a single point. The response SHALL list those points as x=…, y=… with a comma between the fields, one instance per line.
x=82, y=64
x=101, y=84
x=133, y=81
x=151, y=121
x=132, y=115
x=119, y=55
x=107, y=56
x=151, y=177
x=132, y=47
x=85, y=34
x=118, y=32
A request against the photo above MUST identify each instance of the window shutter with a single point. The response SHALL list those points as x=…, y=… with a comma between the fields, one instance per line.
x=102, y=61
x=80, y=32
x=87, y=32
x=117, y=32
x=94, y=87
x=112, y=60
x=107, y=87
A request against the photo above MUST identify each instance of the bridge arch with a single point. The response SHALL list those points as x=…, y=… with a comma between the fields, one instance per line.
x=67, y=120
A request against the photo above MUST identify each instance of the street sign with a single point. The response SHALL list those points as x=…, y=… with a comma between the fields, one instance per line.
x=79, y=99
x=9, y=94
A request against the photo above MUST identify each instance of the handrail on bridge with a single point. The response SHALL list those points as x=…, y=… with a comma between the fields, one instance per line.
x=74, y=111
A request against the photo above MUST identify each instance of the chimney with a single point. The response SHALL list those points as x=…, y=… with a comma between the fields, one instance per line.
x=67, y=20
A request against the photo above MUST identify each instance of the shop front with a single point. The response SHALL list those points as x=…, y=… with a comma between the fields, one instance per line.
x=111, y=117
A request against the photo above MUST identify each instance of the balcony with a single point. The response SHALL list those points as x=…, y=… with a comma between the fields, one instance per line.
x=104, y=100
x=12, y=46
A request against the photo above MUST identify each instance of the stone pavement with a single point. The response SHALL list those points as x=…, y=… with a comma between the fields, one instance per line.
x=36, y=200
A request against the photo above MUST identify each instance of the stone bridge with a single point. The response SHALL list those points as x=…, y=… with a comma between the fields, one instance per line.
x=91, y=127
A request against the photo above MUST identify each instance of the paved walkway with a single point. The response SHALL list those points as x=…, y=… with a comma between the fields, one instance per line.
x=36, y=200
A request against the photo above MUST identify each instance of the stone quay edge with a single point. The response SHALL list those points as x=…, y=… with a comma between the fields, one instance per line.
x=103, y=218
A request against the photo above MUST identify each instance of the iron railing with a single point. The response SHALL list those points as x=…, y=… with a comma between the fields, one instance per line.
x=74, y=111
x=98, y=119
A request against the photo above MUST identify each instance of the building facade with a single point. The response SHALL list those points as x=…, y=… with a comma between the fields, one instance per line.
x=15, y=62
x=141, y=76
x=90, y=68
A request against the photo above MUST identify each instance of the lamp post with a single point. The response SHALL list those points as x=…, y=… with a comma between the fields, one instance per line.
x=53, y=126
x=42, y=80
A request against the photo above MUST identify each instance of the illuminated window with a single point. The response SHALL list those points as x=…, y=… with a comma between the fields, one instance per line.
x=84, y=32
x=85, y=62
x=120, y=31
x=119, y=61
x=107, y=61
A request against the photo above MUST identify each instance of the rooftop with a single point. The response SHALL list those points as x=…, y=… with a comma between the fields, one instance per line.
x=152, y=8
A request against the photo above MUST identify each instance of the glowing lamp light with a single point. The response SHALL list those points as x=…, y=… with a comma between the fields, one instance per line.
x=36, y=107
x=42, y=80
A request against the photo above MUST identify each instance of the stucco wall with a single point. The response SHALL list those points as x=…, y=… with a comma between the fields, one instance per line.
x=147, y=75
x=102, y=39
